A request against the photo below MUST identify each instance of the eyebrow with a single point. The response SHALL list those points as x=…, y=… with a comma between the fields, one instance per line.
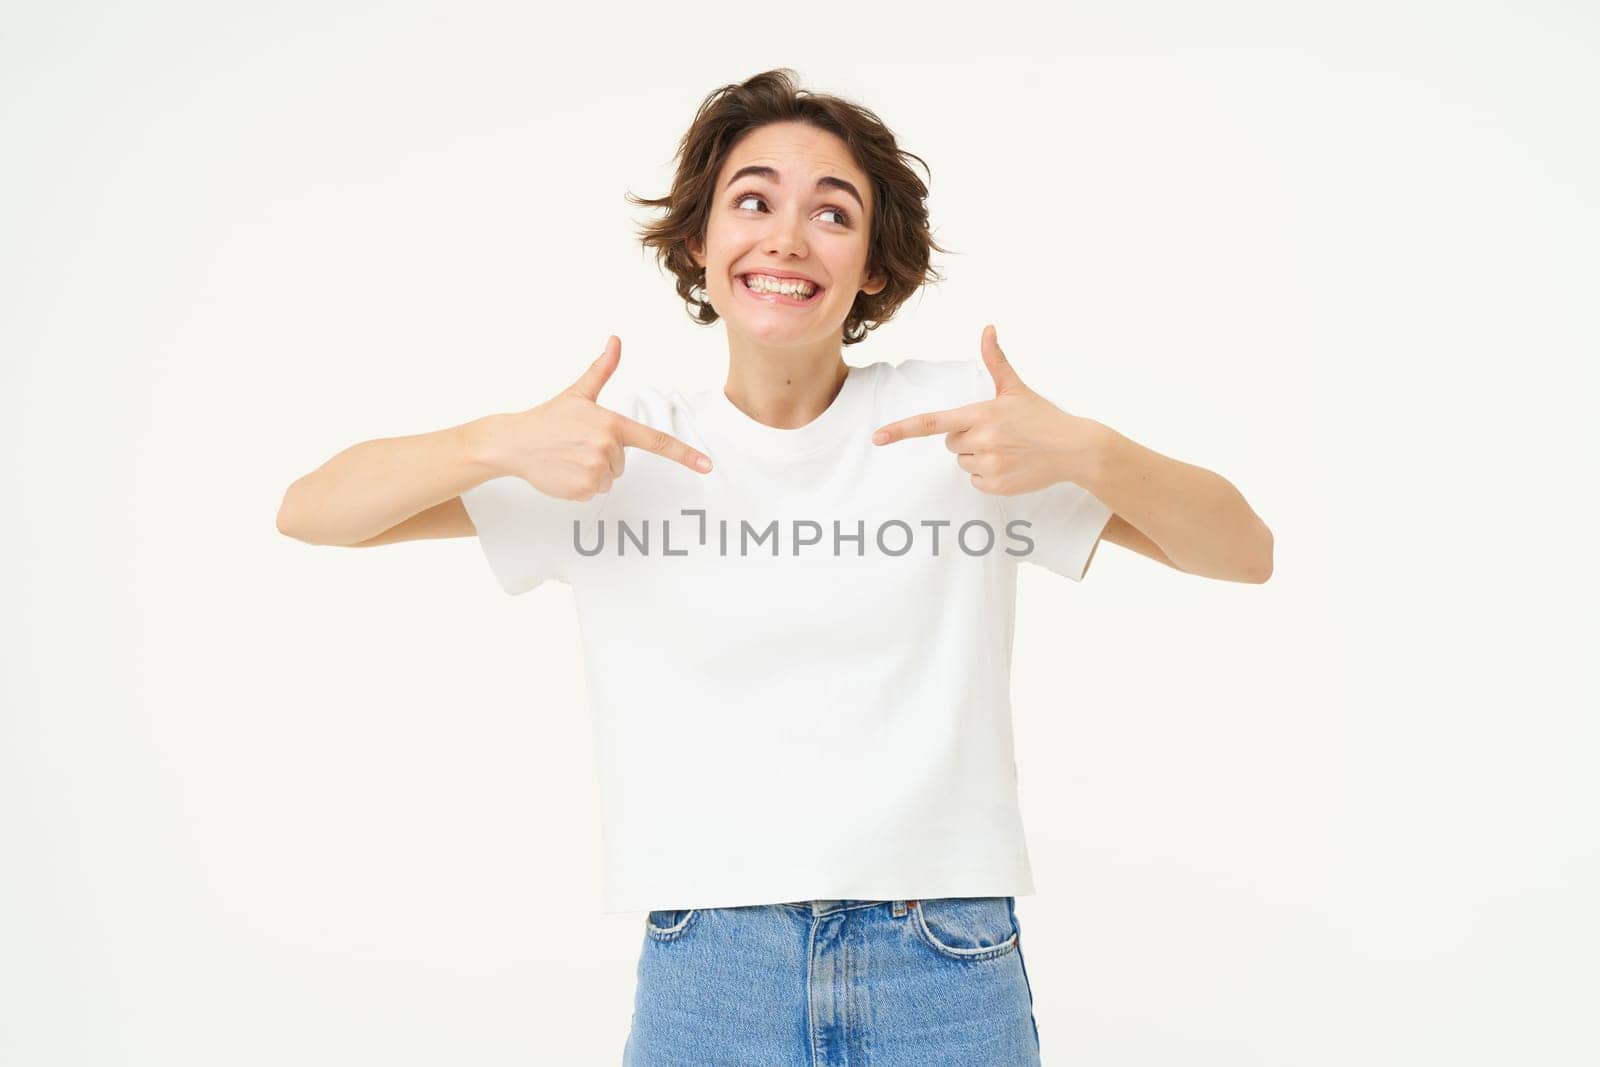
x=772, y=176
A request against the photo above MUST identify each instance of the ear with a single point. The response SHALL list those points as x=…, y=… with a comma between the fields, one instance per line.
x=876, y=283
x=696, y=251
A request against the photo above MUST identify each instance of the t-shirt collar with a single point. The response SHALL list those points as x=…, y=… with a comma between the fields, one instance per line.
x=822, y=432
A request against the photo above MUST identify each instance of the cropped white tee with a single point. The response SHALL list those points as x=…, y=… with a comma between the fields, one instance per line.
x=799, y=663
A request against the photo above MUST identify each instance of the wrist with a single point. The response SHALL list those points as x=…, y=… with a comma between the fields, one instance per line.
x=1110, y=452
x=479, y=446
x=1086, y=451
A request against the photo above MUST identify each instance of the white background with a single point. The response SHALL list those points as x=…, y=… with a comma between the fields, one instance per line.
x=270, y=803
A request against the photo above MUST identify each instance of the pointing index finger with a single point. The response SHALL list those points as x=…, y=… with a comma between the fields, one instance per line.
x=638, y=435
x=925, y=425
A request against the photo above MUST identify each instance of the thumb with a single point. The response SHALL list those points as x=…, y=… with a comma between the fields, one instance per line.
x=590, y=383
x=1006, y=378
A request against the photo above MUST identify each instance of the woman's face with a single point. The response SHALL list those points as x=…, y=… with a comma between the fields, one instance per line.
x=806, y=214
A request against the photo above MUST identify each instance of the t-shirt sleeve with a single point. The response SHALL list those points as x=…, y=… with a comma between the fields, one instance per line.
x=1065, y=520
x=525, y=535
x=1065, y=523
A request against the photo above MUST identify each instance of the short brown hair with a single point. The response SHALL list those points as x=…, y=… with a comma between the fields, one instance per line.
x=900, y=242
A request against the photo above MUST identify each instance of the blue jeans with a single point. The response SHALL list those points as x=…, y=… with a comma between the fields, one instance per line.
x=830, y=983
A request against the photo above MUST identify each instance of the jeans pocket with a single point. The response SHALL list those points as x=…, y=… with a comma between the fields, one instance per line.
x=966, y=928
x=669, y=925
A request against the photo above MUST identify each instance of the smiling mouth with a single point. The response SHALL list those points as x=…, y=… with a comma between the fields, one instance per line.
x=773, y=297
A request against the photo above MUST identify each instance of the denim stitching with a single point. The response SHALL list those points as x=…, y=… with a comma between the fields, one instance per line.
x=811, y=1021
x=986, y=952
x=670, y=933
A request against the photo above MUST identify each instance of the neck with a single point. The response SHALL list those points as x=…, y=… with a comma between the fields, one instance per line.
x=786, y=387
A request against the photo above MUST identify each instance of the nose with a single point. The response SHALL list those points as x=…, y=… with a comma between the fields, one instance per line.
x=786, y=235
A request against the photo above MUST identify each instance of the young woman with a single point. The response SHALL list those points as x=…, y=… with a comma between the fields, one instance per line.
x=796, y=601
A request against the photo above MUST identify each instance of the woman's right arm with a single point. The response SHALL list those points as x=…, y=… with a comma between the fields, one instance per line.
x=408, y=488
x=393, y=488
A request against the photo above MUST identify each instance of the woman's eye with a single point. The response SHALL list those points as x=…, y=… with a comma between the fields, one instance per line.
x=844, y=217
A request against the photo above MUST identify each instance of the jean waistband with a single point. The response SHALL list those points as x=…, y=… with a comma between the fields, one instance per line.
x=828, y=907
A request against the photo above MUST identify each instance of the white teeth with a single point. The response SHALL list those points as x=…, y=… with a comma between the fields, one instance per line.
x=762, y=284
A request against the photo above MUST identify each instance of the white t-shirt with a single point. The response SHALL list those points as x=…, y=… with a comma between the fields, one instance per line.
x=778, y=714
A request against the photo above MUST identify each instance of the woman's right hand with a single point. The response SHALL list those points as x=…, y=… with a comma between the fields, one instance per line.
x=570, y=447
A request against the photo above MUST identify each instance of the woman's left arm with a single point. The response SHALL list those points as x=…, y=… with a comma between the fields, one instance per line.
x=1019, y=442
x=1195, y=516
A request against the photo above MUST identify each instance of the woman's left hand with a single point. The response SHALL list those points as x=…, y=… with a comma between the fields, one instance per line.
x=1018, y=442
